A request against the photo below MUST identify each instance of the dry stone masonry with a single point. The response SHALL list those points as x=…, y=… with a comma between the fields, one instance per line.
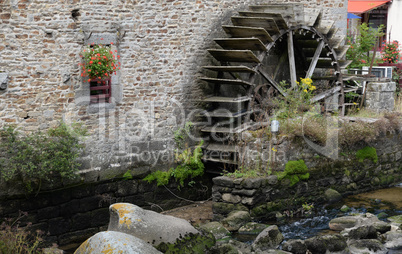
x=162, y=45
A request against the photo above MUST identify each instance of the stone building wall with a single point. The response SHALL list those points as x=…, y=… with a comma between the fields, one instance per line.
x=162, y=44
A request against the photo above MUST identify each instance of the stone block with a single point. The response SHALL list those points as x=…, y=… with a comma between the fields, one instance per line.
x=223, y=181
x=80, y=221
x=58, y=226
x=234, y=199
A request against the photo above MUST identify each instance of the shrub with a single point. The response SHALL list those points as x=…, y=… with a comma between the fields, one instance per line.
x=390, y=52
x=360, y=47
x=19, y=240
x=40, y=156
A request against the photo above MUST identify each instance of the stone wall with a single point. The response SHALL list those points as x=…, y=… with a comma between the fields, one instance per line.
x=265, y=196
x=162, y=45
x=380, y=96
x=71, y=215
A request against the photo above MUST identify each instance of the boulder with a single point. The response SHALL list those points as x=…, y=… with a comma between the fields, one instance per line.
x=396, y=220
x=366, y=246
x=149, y=226
x=252, y=228
x=363, y=232
x=217, y=229
x=393, y=240
x=269, y=238
x=231, y=246
x=115, y=242
x=382, y=227
x=332, y=196
x=236, y=220
x=341, y=223
x=326, y=243
x=295, y=246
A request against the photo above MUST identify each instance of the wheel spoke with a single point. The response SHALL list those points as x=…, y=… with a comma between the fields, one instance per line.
x=292, y=64
x=315, y=59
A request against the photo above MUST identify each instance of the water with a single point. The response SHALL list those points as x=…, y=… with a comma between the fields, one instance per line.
x=384, y=200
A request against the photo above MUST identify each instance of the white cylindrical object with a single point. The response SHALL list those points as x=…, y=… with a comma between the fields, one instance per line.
x=274, y=126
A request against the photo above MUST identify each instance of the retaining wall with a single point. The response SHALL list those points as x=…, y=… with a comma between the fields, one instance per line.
x=265, y=196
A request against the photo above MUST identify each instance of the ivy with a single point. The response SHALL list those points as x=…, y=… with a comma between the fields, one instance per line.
x=190, y=166
x=40, y=156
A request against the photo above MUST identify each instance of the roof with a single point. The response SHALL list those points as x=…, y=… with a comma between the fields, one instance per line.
x=358, y=6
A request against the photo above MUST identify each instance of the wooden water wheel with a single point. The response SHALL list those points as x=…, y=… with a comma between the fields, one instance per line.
x=264, y=46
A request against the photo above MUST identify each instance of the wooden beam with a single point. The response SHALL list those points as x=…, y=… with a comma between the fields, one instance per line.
x=292, y=63
x=272, y=81
x=314, y=61
x=326, y=94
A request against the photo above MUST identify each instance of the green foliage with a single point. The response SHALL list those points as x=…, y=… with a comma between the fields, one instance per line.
x=367, y=153
x=40, y=156
x=360, y=47
x=297, y=100
x=181, y=134
x=190, y=166
x=18, y=240
x=128, y=175
x=294, y=171
x=98, y=62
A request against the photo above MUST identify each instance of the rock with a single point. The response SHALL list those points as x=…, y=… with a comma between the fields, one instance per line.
x=382, y=215
x=224, y=248
x=363, y=232
x=223, y=181
x=332, y=196
x=270, y=237
x=230, y=198
x=225, y=208
x=149, y=226
x=235, y=220
x=326, y=243
x=295, y=246
x=272, y=251
x=52, y=250
x=382, y=227
x=115, y=242
x=396, y=220
x=345, y=208
x=252, y=228
x=341, y=223
x=393, y=240
x=366, y=246
x=217, y=229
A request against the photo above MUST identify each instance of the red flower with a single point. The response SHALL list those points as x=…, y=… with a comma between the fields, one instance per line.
x=90, y=62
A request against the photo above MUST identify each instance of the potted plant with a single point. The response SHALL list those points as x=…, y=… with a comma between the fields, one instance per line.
x=99, y=63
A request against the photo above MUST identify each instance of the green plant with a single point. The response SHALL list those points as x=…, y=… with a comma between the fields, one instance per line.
x=362, y=44
x=98, y=62
x=40, y=156
x=294, y=171
x=128, y=175
x=181, y=134
x=190, y=166
x=390, y=52
x=19, y=240
x=367, y=153
x=297, y=100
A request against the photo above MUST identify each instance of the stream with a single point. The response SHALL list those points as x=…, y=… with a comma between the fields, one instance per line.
x=388, y=201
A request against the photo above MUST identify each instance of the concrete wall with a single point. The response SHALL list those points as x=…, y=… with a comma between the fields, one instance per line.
x=162, y=44
x=394, y=20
